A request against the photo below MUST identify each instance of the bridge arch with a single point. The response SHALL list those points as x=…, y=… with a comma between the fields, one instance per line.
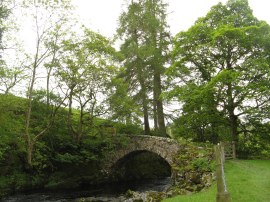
x=141, y=164
x=166, y=148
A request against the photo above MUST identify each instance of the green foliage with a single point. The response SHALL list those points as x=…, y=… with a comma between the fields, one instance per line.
x=223, y=67
x=122, y=106
x=55, y=151
x=88, y=65
x=195, y=157
x=203, y=164
x=129, y=129
x=92, y=149
x=255, y=144
x=19, y=181
x=12, y=115
x=11, y=119
x=41, y=157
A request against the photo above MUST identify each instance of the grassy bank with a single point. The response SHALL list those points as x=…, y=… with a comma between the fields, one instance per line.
x=247, y=181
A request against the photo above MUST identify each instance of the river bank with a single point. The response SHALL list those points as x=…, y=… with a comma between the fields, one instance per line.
x=120, y=191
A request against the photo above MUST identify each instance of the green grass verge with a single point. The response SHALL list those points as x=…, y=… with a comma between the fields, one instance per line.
x=247, y=181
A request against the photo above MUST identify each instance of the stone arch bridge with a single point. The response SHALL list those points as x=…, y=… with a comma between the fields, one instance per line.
x=167, y=152
x=164, y=147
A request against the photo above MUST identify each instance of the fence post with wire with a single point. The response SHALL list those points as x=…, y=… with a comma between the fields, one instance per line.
x=222, y=193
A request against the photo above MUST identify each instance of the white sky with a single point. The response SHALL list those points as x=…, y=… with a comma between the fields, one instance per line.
x=102, y=15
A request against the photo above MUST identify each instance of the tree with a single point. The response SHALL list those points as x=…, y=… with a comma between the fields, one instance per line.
x=199, y=119
x=129, y=31
x=4, y=13
x=226, y=54
x=45, y=15
x=54, y=45
x=143, y=30
x=12, y=74
x=157, y=42
x=123, y=107
x=85, y=70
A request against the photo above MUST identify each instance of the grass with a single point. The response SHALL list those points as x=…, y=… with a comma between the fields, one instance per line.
x=247, y=181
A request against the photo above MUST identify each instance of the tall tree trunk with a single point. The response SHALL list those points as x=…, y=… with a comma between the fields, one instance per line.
x=233, y=119
x=49, y=72
x=29, y=143
x=48, y=86
x=146, y=119
x=29, y=154
x=233, y=126
x=213, y=122
x=158, y=100
x=155, y=116
x=145, y=108
x=214, y=134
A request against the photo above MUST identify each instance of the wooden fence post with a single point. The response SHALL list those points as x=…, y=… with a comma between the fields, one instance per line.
x=222, y=193
x=222, y=152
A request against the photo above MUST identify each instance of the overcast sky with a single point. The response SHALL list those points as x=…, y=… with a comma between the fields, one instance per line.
x=102, y=15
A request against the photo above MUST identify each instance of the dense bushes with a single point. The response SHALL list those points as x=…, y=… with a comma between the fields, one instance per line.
x=256, y=144
x=55, y=152
x=253, y=142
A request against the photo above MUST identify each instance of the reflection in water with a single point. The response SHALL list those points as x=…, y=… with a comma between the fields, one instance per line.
x=103, y=193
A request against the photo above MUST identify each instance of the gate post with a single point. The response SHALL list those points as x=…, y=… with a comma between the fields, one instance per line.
x=222, y=193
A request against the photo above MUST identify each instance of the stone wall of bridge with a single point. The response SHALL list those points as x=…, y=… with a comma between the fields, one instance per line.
x=164, y=147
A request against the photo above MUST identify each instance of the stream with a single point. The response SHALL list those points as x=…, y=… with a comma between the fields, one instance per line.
x=106, y=192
